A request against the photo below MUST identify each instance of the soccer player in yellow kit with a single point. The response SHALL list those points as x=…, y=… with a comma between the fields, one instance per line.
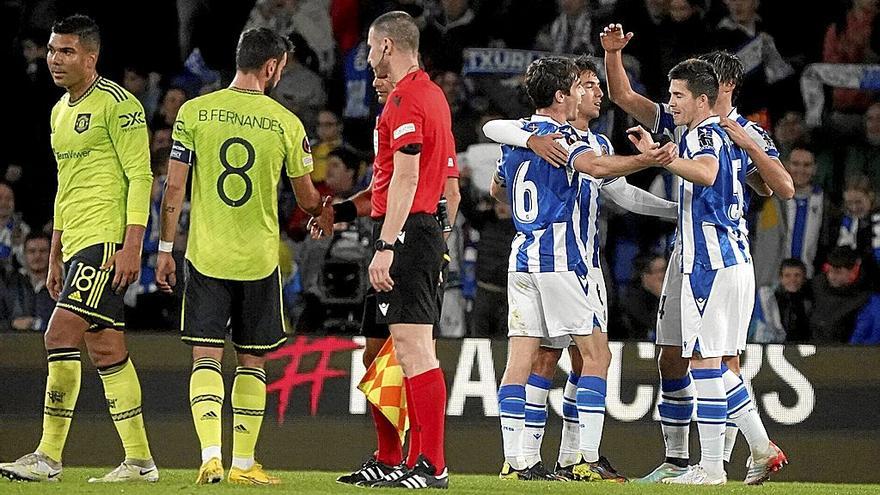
x=100, y=141
x=236, y=141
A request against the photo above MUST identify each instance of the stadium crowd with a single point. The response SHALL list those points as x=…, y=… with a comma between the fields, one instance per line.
x=817, y=256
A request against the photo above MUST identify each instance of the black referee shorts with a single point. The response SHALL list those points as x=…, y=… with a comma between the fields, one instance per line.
x=87, y=289
x=416, y=270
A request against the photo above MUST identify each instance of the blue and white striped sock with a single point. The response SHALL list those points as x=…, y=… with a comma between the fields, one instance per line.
x=570, y=445
x=537, y=389
x=711, y=418
x=591, y=414
x=676, y=409
x=743, y=415
x=512, y=410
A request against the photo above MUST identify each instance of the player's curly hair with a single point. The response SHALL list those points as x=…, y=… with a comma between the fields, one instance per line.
x=258, y=46
x=700, y=78
x=728, y=68
x=81, y=25
x=546, y=76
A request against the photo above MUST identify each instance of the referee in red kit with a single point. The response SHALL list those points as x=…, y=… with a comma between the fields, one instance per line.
x=415, y=147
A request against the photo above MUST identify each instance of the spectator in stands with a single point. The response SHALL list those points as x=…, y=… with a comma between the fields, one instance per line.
x=329, y=133
x=839, y=294
x=26, y=303
x=344, y=167
x=684, y=34
x=641, y=299
x=867, y=331
x=492, y=219
x=137, y=80
x=12, y=232
x=863, y=158
x=803, y=227
x=464, y=118
x=447, y=35
x=571, y=32
x=647, y=19
x=782, y=310
x=742, y=32
x=309, y=18
x=848, y=41
x=160, y=139
x=860, y=225
x=300, y=89
x=790, y=129
x=166, y=114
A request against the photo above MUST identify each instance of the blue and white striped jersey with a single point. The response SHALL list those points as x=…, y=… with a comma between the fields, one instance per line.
x=543, y=200
x=587, y=218
x=711, y=224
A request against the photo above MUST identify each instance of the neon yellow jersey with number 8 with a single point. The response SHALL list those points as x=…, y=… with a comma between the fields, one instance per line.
x=237, y=142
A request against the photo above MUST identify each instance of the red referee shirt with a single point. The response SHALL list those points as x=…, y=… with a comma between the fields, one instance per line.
x=416, y=113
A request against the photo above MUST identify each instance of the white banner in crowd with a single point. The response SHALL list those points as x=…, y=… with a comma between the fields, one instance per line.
x=850, y=76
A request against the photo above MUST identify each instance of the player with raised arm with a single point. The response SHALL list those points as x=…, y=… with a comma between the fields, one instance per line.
x=237, y=141
x=760, y=153
x=551, y=292
x=571, y=463
x=388, y=460
x=100, y=141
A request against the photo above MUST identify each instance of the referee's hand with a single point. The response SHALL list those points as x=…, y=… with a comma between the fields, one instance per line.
x=380, y=271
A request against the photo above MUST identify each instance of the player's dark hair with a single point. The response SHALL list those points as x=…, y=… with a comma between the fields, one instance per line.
x=546, y=76
x=37, y=234
x=699, y=76
x=258, y=46
x=843, y=257
x=399, y=27
x=81, y=25
x=585, y=64
x=860, y=183
x=728, y=68
x=792, y=263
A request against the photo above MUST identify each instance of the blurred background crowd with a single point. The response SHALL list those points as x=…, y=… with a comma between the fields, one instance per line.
x=811, y=82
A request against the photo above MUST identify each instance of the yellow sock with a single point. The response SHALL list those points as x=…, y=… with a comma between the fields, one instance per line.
x=206, y=401
x=123, y=393
x=62, y=390
x=248, y=405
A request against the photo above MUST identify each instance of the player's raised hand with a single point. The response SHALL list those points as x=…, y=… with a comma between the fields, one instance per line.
x=166, y=272
x=736, y=132
x=55, y=279
x=127, y=264
x=641, y=138
x=549, y=149
x=322, y=225
x=613, y=39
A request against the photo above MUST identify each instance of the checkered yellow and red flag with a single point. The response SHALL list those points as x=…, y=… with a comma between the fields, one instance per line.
x=384, y=388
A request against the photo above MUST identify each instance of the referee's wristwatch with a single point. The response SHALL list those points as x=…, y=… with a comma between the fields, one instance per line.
x=381, y=245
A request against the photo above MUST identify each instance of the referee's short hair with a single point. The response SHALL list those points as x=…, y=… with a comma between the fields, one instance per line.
x=258, y=46
x=399, y=27
x=546, y=76
x=83, y=26
x=700, y=78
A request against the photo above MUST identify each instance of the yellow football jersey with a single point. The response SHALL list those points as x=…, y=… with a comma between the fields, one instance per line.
x=101, y=144
x=240, y=140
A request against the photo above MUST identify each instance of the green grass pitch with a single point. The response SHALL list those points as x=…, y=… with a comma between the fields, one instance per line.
x=180, y=481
